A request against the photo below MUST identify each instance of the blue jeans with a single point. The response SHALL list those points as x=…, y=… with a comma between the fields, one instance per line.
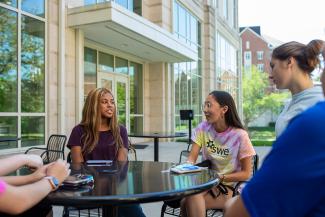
x=134, y=210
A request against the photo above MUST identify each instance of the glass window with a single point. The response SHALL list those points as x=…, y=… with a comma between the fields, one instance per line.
x=225, y=8
x=182, y=21
x=194, y=32
x=226, y=69
x=137, y=6
x=12, y=3
x=22, y=122
x=175, y=19
x=260, y=67
x=35, y=7
x=32, y=65
x=260, y=55
x=196, y=93
x=8, y=129
x=90, y=70
x=89, y=2
x=106, y=62
x=136, y=124
x=136, y=97
x=247, y=44
x=248, y=55
x=8, y=61
x=124, y=3
x=136, y=93
x=121, y=65
x=32, y=131
x=187, y=75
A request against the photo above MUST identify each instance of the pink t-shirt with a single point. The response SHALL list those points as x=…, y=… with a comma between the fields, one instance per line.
x=224, y=149
x=2, y=187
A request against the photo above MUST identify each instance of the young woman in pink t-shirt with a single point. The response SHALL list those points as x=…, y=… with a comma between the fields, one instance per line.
x=226, y=144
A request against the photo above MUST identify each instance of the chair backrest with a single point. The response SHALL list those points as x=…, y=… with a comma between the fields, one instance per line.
x=255, y=162
x=55, y=147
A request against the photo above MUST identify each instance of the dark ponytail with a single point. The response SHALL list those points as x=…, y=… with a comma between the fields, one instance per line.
x=231, y=116
x=307, y=56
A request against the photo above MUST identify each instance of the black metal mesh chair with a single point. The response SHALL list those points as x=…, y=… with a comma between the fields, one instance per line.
x=175, y=211
x=54, y=149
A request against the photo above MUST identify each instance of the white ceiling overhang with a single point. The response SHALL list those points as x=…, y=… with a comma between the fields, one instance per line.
x=114, y=26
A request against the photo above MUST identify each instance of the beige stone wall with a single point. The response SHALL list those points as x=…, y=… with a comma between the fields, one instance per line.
x=52, y=66
x=208, y=51
x=70, y=80
x=158, y=12
x=53, y=69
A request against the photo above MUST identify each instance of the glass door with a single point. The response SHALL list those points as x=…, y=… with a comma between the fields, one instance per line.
x=118, y=84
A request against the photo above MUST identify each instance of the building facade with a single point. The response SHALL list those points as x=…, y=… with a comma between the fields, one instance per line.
x=156, y=56
x=257, y=48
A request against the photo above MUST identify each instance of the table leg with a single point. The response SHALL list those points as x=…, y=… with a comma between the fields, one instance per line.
x=110, y=211
x=156, y=149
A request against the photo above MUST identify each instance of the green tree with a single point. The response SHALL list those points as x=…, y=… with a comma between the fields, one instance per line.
x=256, y=97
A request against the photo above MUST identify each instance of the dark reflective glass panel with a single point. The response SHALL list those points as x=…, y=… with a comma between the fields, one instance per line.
x=32, y=131
x=8, y=61
x=8, y=129
x=32, y=65
x=90, y=70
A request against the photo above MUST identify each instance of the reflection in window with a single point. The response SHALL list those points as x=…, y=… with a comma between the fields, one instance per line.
x=226, y=64
x=35, y=7
x=121, y=102
x=124, y=3
x=106, y=62
x=136, y=98
x=32, y=131
x=187, y=75
x=90, y=70
x=32, y=65
x=32, y=71
x=8, y=61
x=8, y=129
x=121, y=65
x=12, y=3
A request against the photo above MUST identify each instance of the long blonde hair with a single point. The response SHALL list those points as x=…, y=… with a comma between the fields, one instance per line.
x=91, y=120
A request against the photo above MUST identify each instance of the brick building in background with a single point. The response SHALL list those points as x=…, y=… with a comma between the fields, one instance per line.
x=257, y=48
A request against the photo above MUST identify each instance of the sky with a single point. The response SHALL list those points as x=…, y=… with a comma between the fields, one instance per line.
x=285, y=20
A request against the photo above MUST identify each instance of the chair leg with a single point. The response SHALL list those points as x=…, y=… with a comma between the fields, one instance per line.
x=65, y=212
x=163, y=209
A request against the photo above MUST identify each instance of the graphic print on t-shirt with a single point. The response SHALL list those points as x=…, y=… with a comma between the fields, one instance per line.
x=218, y=149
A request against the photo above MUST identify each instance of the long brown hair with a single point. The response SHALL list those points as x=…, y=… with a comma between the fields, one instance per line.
x=91, y=120
x=307, y=56
x=231, y=116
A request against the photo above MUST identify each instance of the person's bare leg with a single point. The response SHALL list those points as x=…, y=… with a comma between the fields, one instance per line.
x=217, y=202
x=194, y=205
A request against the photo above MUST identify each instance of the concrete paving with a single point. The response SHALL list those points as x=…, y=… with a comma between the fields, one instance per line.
x=168, y=152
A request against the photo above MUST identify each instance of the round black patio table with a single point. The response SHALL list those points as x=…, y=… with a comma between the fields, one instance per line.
x=132, y=182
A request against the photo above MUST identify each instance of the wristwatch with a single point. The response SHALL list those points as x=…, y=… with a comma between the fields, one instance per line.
x=54, y=182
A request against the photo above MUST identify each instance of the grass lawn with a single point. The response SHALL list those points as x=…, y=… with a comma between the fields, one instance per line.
x=262, y=136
